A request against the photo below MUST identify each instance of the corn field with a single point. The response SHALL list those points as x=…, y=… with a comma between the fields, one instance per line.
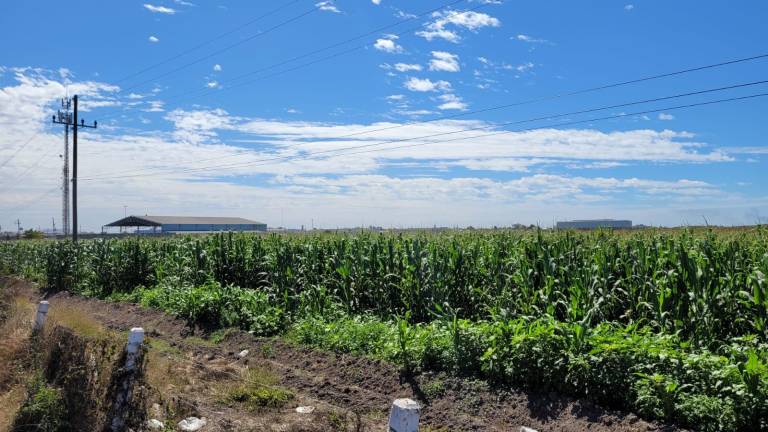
x=672, y=324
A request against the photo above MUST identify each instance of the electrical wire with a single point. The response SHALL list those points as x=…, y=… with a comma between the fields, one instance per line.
x=195, y=93
x=26, y=204
x=323, y=152
x=539, y=99
x=226, y=48
x=207, y=42
x=22, y=147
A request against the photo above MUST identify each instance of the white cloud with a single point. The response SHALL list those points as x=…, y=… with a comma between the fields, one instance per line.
x=212, y=84
x=388, y=45
x=402, y=14
x=524, y=67
x=463, y=193
x=405, y=67
x=327, y=6
x=376, y=2
x=426, y=85
x=530, y=39
x=159, y=9
x=293, y=111
x=444, y=61
x=154, y=39
x=745, y=150
x=155, y=106
x=414, y=113
x=448, y=35
x=468, y=19
x=629, y=7
x=665, y=116
x=451, y=102
x=184, y=3
x=217, y=67
x=395, y=97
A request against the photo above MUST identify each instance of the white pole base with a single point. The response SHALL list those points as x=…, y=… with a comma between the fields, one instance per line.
x=135, y=339
x=42, y=312
x=404, y=416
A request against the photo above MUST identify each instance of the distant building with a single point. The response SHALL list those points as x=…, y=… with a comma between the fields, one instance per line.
x=594, y=224
x=184, y=224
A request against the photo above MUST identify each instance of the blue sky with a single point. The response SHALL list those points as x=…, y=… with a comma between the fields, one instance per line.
x=233, y=126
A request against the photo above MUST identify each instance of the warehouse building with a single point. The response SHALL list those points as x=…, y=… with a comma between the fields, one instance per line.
x=594, y=224
x=187, y=224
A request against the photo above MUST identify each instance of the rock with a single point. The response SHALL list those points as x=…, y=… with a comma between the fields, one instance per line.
x=242, y=353
x=192, y=424
x=404, y=416
x=211, y=356
x=155, y=424
x=305, y=409
x=157, y=411
x=527, y=429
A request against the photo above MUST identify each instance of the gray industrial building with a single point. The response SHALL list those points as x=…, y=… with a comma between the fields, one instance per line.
x=188, y=224
x=594, y=224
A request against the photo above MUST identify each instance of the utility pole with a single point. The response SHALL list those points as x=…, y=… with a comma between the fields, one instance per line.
x=65, y=117
x=75, y=125
x=18, y=228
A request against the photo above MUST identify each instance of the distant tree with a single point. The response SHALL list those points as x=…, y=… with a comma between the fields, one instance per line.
x=33, y=234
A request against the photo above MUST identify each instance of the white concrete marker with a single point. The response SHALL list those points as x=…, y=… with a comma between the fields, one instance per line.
x=135, y=338
x=42, y=311
x=132, y=351
x=404, y=416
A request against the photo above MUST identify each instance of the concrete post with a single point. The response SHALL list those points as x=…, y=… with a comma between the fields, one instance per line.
x=135, y=339
x=42, y=311
x=404, y=416
x=132, y=351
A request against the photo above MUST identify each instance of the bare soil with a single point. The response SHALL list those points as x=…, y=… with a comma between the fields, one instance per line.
x=349, y=392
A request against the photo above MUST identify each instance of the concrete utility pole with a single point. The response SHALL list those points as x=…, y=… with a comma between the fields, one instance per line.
x=75, y=126
x=65, y=116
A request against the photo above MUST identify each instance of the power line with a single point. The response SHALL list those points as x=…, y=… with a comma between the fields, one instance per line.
x=196, y=93
x=35, y=164
x=226, y=48
x=26, y=204
x=207, y=42
x=612, y=117
x=539, y=99
x=528, y=101
x=496, y=125
x=23, y=146
x=323, y=49
x=282, y=158
x=563, y=95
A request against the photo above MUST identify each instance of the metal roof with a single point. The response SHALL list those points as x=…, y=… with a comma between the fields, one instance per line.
x=133, y=221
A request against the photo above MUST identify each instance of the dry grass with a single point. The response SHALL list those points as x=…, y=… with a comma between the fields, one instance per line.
x=164, y=371
x=79, y=322
x=10, y=402
x=16, y=328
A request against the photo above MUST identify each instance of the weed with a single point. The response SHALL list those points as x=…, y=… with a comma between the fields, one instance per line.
x=44, y=409
x=434, y=388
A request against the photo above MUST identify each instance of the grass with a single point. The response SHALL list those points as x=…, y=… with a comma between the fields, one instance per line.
x=162, y=347
x=10, y=402
x=80, y=322
x=15, y=326
x=44, y=409
x=256, y=390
